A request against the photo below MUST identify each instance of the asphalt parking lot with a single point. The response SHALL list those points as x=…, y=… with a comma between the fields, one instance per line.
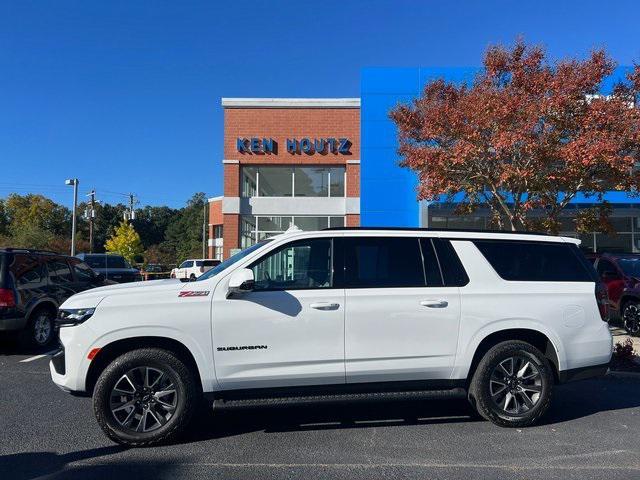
x=592, y=431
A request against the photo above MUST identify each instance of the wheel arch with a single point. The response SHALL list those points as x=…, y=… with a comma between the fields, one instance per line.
x=624, y=299
x=112, y=350
x=47, y=303
x=534, y=337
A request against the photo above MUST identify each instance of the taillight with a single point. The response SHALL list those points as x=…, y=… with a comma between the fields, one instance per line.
x=7, y=298
x=602, y=299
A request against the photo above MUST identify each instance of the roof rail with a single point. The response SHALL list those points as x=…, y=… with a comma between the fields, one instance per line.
x=449, y=230
x=29, y=250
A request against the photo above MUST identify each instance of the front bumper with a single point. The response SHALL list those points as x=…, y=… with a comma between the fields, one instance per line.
x=69, y=365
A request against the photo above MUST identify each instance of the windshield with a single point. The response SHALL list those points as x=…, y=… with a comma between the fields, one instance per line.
x=630, y=266
x=106, y=261
x=231, y=260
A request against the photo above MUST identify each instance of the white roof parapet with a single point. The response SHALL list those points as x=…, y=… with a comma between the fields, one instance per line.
x=291, y=102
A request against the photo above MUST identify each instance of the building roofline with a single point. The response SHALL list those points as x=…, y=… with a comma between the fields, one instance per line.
x=290, y=102
x=215, y=199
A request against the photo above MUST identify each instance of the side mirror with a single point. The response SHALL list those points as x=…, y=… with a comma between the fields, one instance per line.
x=241, y=281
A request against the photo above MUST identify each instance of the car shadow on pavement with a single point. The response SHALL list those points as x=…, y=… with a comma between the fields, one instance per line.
x=31, y=465
x=581, y=399
x=572, y=402
x=13, y=343
x=231, y=421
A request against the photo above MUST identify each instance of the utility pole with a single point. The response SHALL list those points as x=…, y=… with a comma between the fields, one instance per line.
x=91, y=214
x=131, y=214
x=74, y=182
x=204, y=229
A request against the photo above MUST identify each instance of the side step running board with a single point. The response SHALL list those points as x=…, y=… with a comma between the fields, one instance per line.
x=455, y=393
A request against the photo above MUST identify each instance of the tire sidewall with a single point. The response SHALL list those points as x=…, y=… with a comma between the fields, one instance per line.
x=35, y=316
x=624, y=325
x=482, y=395
x=120, y=366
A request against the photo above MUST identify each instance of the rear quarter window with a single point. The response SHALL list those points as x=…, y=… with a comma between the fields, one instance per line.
x=517, y=260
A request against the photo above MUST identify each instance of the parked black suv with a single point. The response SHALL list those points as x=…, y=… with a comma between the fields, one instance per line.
x=112, y=266
x=33, y=284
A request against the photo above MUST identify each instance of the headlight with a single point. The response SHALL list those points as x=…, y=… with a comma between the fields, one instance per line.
x=73, y=316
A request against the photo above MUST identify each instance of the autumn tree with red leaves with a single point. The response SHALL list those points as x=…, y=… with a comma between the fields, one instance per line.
x=527, y=135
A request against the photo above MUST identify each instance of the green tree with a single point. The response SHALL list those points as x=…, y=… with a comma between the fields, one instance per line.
x=125, y=241
x=4, y=220
x=184, y=234
x=108, y=218
x=152, y=222
x=36, y=211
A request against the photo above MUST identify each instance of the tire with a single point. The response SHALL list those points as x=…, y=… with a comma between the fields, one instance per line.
x=528, y=387
x=192, y=277
x=41, y=327
x=631, y=317
x=123, y=382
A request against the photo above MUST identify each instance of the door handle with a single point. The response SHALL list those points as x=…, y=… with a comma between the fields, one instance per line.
x=434, y=303
x=325, y=306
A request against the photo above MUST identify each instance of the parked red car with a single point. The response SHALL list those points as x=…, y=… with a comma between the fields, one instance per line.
x=621, y=275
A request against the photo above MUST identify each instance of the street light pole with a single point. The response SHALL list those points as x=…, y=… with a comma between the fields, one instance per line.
x=74, y=182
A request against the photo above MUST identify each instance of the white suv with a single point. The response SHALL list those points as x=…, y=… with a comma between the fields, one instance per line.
x=193, y=268
x=499, y=317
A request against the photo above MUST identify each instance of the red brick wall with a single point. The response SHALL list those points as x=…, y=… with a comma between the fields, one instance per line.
x=230, y=234
x=280, y=124
x=231, y=180
x=215, y=212
x=283, y=123
x=353, y=180
x=352, y=220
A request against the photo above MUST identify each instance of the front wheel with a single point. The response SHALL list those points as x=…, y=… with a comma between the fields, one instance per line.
x=631, y=318
x=145, y=397
x=513, y=384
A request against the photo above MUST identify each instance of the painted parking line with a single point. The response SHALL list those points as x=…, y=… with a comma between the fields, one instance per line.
x=37, y=357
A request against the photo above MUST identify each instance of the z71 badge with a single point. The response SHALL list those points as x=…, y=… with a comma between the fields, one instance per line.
x=193, y=293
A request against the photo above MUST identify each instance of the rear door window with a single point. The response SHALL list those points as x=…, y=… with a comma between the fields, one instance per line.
x=518, y=260
x=83, y=272
x=59, y=272
x=383, y=262
x=187, y=264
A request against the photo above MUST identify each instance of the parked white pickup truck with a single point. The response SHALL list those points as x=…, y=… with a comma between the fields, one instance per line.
x=193, y=268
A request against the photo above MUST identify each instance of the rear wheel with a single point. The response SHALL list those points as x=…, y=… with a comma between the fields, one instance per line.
x=631, y=317
x=145, y=397
x=41, y=330
x=192, y=277
x=512, y=386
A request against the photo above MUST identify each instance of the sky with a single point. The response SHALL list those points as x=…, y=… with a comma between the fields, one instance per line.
x=125, y=95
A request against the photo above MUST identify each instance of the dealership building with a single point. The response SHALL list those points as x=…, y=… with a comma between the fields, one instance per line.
x=328, y=162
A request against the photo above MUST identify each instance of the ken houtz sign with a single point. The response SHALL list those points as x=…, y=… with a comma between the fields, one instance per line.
x=294, y=145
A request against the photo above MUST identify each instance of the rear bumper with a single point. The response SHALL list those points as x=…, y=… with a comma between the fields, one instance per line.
x=583, y=373
x=12, y=323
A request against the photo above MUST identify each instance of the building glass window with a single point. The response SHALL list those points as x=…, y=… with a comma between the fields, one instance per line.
x=311, y=182
x=281, y=181
x=254, y=229
x=249, y=185
x=311, y=223
x=217, y=231
x=275, y=181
